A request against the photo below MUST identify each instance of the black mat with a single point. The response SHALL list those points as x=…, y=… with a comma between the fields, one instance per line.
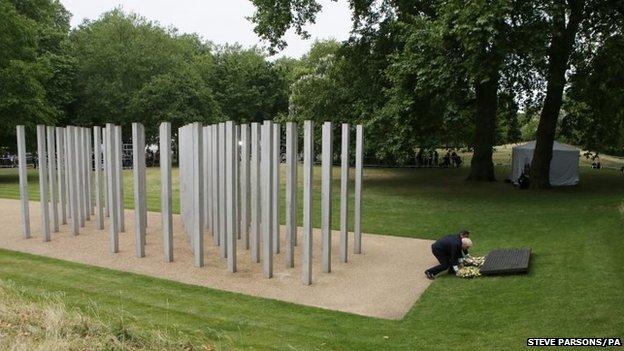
x=506, y=261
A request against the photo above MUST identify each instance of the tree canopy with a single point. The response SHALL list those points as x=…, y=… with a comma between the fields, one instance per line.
x=463, y=72
x=420, y=74
x=32, y=63
x=124, y=68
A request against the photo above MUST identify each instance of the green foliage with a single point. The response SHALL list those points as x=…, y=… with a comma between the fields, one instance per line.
x=246, y=86
x=362, y=66
x=123, y=68
x=339, y=83
x=274, y=18
x=448, y=53
x=316, y=94
x=117, y=57
x=32, y=35
x=410, y=69
x=417, y=80
x=18, y=35
x=134, y=70
x=429, y=97
x=178, y=97
x=529, y=125
x=509, y=125
x=594, y=109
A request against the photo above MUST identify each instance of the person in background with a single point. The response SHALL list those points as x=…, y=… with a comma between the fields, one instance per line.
x=448, y=250
x=524, y=180
x=446, y=160
x=456, y=159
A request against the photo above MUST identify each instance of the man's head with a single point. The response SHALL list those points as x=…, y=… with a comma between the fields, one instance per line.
x=464, y=233
x=466, y=243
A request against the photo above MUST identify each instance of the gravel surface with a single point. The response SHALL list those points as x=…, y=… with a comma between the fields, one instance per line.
x=384, y=281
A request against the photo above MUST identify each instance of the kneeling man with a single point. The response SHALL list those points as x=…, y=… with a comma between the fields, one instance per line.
x=448, y=250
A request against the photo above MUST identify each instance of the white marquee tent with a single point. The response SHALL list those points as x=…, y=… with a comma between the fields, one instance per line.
x=564, y=166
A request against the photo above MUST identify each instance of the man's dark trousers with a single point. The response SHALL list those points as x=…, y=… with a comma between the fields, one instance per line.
x=443, y=258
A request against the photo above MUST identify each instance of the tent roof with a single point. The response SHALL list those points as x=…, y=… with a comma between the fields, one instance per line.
x=557, y=146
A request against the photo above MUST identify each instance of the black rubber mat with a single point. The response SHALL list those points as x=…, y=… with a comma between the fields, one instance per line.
x=506, y=261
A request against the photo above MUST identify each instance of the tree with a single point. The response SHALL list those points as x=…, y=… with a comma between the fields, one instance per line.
x=594, y=105
x=32, y=34
x=356, y=74
x=561, y=45
x=470, y=41
x=179, y=97
x=315, y=93
x=573, y=26
x=123, y=68
x=247, y=87
x=451, y=53
x=117, y=56
x=509, y=125
x=274, y=18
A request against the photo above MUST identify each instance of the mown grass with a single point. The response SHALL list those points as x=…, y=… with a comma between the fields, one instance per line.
x=574, y=287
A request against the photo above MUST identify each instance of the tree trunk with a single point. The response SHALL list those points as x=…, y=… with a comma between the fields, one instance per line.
x=560, y=50
x=481, y=165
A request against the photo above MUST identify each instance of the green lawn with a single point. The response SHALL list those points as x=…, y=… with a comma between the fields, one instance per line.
x=575, y=287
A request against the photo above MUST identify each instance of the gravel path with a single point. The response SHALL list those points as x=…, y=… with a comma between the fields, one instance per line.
x=383, y=282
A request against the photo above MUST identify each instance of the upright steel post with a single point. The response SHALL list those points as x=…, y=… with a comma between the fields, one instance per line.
x=72, y=174
x=67, y=167
x=85, y=173
x=118, y=142
x=357, y=226
x=255, y=193
x=209, y=174
x=222, y=207
x=60, y=174
x=291, y=192
x=111, y=169
x=231, y=159
x=50, y=131
x=23, y=180
x=267, y=194
x=43, y=181
x=105, y=149
x=138, y=165
x=344, y=193
x=326, y=201
x=237, y=184
x=214, y=187
x=165, y=189
x=198, y=195
x=276, y=187
x=244, y=188
x=307, y=240
x=97, y=149
x=79, y=171
x=89, y=167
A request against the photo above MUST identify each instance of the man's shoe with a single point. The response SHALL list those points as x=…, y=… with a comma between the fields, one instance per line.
x=429, y=275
